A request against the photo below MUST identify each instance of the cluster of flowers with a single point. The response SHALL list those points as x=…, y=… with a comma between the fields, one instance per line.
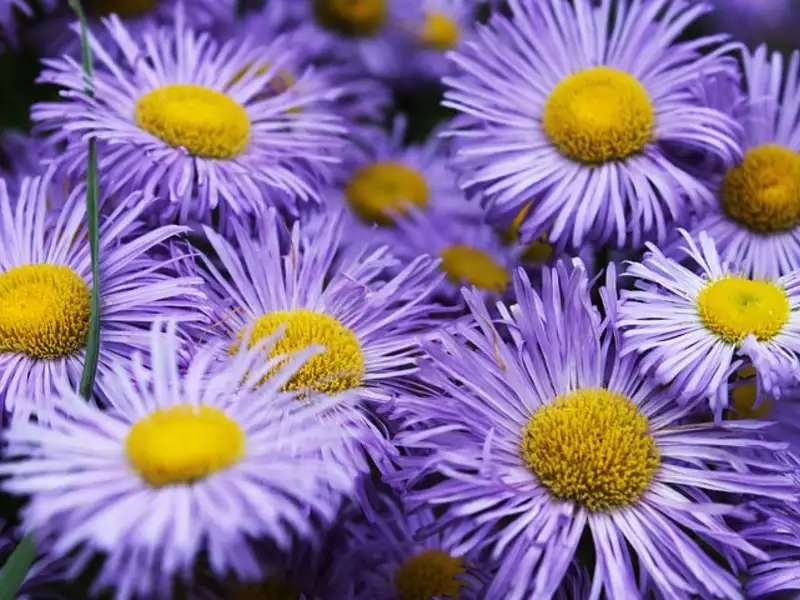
x=553, y=351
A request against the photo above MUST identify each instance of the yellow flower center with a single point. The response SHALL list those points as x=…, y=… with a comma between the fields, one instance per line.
x=124, y=8
x=599, y=115
x=338, y=368
x=735, y=307
x=468, y=265
x=357, y=18
x=593, y=447
x=429, y=574
x=205, y=122
x=763, y=192
x=183, y=444
x=439, y=32
x=379, y=191
x=44, y=311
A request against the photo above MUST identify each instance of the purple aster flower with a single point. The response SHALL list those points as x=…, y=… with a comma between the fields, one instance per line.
x=198, y=125
x=471, y=252
x=45, y=280
x=366, y=33
x=444, y=26
x=756, y=221
x=695, y=327
x=572, y=105
x=543, y=431
x=392, y=556
x=203, y=460
x=401, y=41
x=412, y=43
x=381, y=180
x=367, y=323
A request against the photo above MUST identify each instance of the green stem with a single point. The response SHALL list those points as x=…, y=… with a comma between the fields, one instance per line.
x=93, y=338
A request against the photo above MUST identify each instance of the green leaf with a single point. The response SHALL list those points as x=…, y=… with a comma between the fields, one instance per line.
x=16, y=568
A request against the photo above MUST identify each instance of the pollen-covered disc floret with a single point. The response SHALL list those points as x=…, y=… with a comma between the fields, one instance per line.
x=429, y=574
x=763, y=192
x=124, y=8
x=381, y=190
x=735, y=307
x=472, y=266
x=338, y=368
x=439, y=32
x=598, y=115
x=591, y=446
x=356, y=18
x=204, y=121
x=183, y=444
x=44, y=311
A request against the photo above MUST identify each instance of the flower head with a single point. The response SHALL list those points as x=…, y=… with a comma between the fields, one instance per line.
x=755, y=222
x=45, y=283
x=210, y=459
x=542, y=429
x=299, y=282
x=390, y=553
x=694, y=327
x=470, y=251
x=198, y=125
x=382, y=180
x=571, y=106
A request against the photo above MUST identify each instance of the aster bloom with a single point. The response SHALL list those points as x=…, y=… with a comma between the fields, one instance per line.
x=381, y=180
x=202, y=460
x=471, y=252
x=544, y=431
x=441, y=26
x=365, y=31
x=756, y=220
x=401, y=41
x=412, y=41
x=572, y=106
x=367, y=324
x=695, y=329
x=45, y=281
x=199, y=125
x=390, y=556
